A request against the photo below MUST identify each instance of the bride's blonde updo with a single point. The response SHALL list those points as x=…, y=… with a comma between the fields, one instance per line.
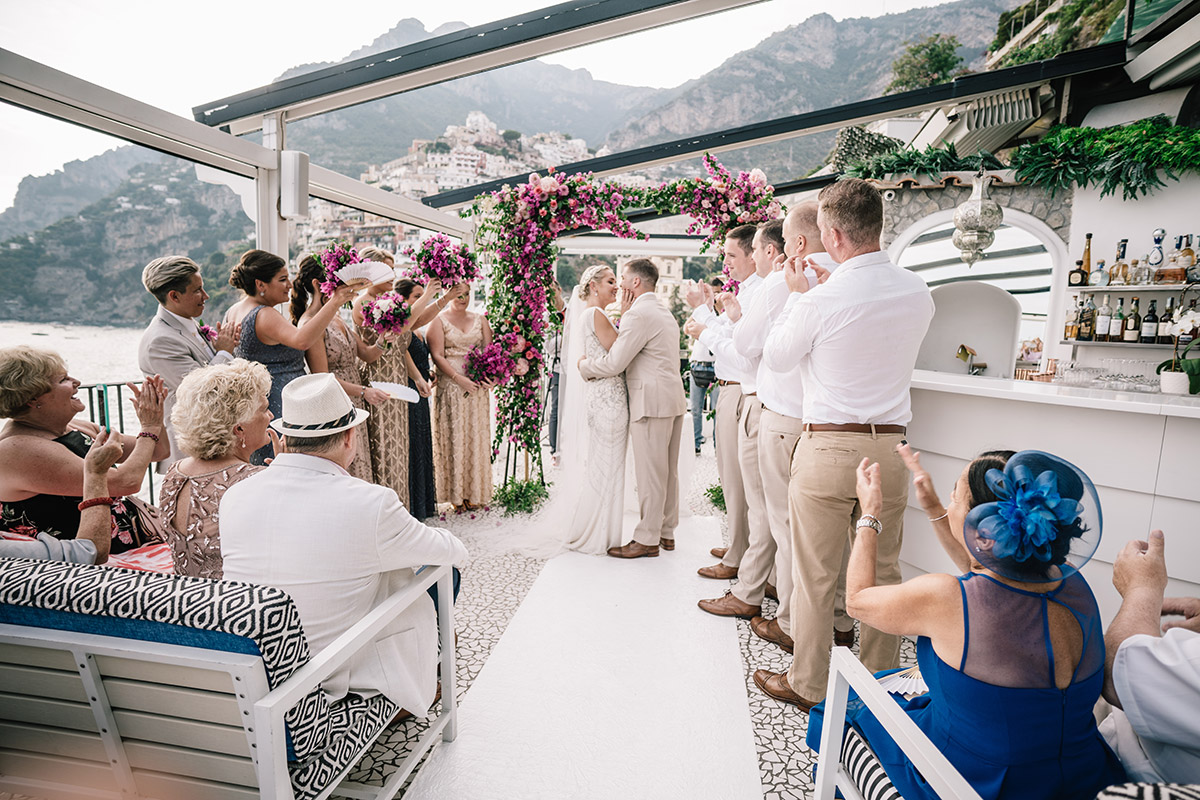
x=590, y=274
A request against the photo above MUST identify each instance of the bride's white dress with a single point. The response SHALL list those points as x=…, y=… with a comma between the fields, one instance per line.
x=600, y=485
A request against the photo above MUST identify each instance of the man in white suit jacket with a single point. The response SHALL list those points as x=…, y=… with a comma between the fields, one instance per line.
x=338, y=545
x=647, y=351
x=173, y=345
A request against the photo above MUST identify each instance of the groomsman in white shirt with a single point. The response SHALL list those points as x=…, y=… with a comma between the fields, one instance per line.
x=854, y=337
x=745, y=598
x=732, y=371
x=173, y=345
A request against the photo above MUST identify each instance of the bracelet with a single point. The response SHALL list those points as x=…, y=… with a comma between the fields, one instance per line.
x=148, y=435
x=363, y=394
x=943, y=516
x=97, y=501
x=868, y=521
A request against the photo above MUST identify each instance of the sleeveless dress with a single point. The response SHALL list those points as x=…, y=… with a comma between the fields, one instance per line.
x=341, y=353
x=462, y=433
x=421, y=484
x=597, y=520
x=197, y=550
x=387, y=427
x=284, y=363
x=998, y=717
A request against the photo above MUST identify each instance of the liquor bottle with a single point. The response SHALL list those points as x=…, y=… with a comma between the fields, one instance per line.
x=1186, y=337
x=1100, y=275
x=1087, y=252
x=1087, y=321
x=1150, y=325
x=1071, y=329
x=1117, y=326
x=1139, y=274
x=1078, y=276
x=1118, y=273
x=1165, y=322
x=1155, y=259
x=1103, y=320
x=1187, y=256
x=1174, y=254
x=1133, y=324
x=1170, y=272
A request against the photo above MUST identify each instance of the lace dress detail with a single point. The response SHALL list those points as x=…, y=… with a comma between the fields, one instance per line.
x=462, y=431
x=284, y=363
x=342, y=355
x=196, y=551
x=420, y=436
x=387, y=426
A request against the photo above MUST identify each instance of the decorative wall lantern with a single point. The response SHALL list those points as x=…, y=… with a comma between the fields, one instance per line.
x=975, y=220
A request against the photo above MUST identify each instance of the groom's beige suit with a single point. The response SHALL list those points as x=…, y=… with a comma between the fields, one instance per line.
x=647, y=351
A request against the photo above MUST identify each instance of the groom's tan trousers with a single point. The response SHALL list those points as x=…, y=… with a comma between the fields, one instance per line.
x=729, y=470
x=759, y=557
x=656, y=465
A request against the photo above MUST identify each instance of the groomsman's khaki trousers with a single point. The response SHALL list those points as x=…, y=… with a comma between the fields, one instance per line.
x=729, y=470
x=759, y=557
x=823, y=505
x=656, y=465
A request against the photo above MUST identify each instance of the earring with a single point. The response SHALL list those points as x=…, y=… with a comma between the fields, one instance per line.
x=39, y=405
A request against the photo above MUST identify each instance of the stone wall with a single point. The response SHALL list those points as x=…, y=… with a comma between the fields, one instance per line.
x=908, y=206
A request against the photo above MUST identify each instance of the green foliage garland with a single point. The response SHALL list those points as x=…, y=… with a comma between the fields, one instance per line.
x=931, y=161
x=520, y=497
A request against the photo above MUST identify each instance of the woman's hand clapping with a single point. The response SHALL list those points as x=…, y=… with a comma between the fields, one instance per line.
x=926, y=495
x=148, y=402
x=105, y=451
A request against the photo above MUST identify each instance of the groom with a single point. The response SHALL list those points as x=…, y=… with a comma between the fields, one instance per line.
x=647, y=351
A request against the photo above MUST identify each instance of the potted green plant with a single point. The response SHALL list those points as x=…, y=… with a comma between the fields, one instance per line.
x=1178, y=374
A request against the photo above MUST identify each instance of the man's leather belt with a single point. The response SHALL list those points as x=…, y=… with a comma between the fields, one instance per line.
x=853, y=427
x=728, y=383
x=750, y=394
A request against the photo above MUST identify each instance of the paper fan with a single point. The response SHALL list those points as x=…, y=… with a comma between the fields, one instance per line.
x=372, y=272
x=906, y=682
x=397, y=391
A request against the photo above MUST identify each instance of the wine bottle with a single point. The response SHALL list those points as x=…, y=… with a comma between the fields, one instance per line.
x=1150, y=325
x=1117, y=326
x=1186, y=337
x=1087, y=321
x=1103, y=320
x=1165, y=322
x=1133, y=324
x=1071, y=328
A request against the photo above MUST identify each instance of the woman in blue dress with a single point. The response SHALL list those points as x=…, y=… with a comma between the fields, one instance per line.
x=1012, y=650
x=265, y=335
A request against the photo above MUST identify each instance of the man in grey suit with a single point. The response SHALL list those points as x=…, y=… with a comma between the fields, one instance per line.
x=173, y=344
x=647, y=351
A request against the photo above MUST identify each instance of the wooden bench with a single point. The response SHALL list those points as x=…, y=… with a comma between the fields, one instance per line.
x=120, y=684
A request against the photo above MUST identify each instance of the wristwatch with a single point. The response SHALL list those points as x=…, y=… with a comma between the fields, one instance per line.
x=868, y=521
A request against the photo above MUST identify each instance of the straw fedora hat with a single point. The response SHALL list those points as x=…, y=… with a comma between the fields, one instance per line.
x=317, y=405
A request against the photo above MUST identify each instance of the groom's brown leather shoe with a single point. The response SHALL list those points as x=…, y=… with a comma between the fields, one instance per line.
x=634, y=550
x=666, y=544
x=718, y=571
x=774, y=684
x=730, y=606
x=769, y=629
x=719, y=552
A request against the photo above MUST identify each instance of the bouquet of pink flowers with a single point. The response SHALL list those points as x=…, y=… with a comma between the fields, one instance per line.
x=440, y=258
x=335, y=256
x=723, y=201
x=488, y=364
x=387, y=313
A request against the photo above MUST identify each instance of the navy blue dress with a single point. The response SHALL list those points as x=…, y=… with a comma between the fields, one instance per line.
x=284, y=363
x=422, y=493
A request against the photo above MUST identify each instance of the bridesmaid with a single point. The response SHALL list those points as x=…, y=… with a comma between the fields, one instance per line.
x=421, y=482
x=266, y=336
x=339, y=353
x=462, y=438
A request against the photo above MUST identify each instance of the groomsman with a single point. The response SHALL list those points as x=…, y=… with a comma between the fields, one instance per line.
x=745, y=598
x=732, y=371
x=173, y=345
x=854, y=337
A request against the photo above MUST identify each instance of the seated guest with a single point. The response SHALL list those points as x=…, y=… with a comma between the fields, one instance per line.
x=91, y=545
x=220, y=418
x=339, y=546
x=174, y=343
x=43, y=446
x=1152, y=674
x=1012, y=651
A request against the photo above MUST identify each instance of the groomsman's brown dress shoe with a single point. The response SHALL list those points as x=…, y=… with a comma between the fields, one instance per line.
x=843, y=638
x=730, y=606
x=634, y=550
x=774, y=684
x=719, y=552
x=769, y=629
x=666, y=544
x=770, y=592
x=718, y=571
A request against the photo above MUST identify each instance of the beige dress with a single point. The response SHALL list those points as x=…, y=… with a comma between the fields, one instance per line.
x=462, y=430
x=197, y=550
x=342, y=356
x=387, y=426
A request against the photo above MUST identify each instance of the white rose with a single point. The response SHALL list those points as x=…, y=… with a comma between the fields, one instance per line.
x=758, y=177
x=549, y=184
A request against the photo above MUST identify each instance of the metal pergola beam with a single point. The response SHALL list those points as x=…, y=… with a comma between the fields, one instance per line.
x=966, y=88
x=443, y=58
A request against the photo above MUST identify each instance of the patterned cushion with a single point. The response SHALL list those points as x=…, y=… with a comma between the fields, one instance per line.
x=174, y=607
x=865, y=770
x=1151, y=791
x=355, y=722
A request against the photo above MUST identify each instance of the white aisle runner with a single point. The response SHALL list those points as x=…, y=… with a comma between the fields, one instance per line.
x=609, y=682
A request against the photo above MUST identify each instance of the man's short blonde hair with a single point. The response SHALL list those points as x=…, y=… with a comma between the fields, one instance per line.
x=855, y=208
x=25, y=373
x=168, y=274
x=370, y=252
x=212, y=401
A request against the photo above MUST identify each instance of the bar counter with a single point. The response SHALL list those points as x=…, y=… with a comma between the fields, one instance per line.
x=1141, y=450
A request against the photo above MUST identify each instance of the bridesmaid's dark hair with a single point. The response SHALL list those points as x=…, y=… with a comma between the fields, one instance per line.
x=310, y=269
x=977, y=472
x=255, y=265
x=404, y=287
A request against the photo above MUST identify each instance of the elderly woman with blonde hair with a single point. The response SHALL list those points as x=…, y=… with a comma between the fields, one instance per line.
x=220, y=418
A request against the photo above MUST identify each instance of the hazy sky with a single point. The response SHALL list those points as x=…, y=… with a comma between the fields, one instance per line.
x=177, y=55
